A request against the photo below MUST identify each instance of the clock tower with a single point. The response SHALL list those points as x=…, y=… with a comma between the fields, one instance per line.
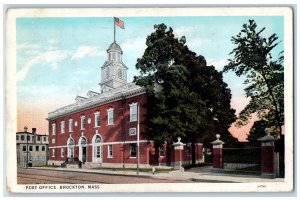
x=113, y=71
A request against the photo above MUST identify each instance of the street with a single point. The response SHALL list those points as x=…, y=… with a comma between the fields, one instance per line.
x=39, y=176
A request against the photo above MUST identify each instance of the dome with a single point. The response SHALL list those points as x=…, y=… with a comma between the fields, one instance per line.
x=114, y=47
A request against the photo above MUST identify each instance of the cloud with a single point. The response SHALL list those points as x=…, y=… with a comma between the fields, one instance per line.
x=51, y=57
x=136, y=44
x=218, y=64
x=27, y=46
x=239, y=103
x=182, y=31
x=87, y=51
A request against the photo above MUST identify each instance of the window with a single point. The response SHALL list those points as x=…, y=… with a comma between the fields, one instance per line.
x=38, y=138
x=22, y=137
x=28, y=138
x=45, y=139
x=98, y=151
x=132, y=131
x=70, y=125
x=62, y=127
x=113, y=56
x=97, y=119
x=133, y=112
x=110, y=116
x=53, y=141
x=132, y=150
x=43, y=148
x=82, y=124
x=17, y=137
x=110, y=151
x=120, y=73
x=24, y=148
x=161, y=151
x=37, y=148
x=107, y=72
x=53, y=152
x=62, y=153
x=30, y=148
x=53, y=129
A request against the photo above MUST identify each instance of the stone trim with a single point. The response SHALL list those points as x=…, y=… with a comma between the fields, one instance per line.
x=104, y=143
x=127, y=90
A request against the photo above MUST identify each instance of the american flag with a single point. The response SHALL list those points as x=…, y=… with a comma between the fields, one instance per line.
x=119, y=22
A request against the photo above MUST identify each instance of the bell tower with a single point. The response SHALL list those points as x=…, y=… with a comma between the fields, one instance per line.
x=113, y=71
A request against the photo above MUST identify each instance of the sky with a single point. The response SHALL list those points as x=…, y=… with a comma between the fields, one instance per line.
x=60, y=58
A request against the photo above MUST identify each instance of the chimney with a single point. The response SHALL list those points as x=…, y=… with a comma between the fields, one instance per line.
x=25, y=129
x=33, y=130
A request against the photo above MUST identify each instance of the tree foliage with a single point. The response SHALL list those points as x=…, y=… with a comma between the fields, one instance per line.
x=186, y=97
x=264, y=75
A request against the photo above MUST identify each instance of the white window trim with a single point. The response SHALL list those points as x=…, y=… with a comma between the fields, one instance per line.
x=163, y=150
x=130, y=131
x=81, y=122
x=53, y=129
x=135, y=152
x=95, y=117
x=112, y=151
x=70, y=125
x=62, y=154
x=62, y=127
x=53, y=153
x=130, y=116
x=112, y=112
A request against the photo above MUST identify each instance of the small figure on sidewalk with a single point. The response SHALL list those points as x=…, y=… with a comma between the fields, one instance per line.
x=153, y=170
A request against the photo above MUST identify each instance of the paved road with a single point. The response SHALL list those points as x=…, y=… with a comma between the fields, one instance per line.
x=39, y=176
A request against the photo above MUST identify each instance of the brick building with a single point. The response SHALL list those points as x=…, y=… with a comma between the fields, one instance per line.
x=32, y=145
x=106, y=127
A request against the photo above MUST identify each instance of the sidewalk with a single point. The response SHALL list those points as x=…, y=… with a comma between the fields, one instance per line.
x=188, y=176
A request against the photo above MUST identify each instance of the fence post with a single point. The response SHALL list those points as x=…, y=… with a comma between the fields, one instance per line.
x=217, y=153
x=178, y=149
x=267, y=155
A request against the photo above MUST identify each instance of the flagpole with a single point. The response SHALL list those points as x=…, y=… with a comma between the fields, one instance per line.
x=114, y=31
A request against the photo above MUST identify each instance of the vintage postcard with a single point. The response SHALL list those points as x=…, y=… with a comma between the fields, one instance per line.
x=149, y=100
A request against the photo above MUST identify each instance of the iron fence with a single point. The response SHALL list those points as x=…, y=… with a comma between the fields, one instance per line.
x=247, y=160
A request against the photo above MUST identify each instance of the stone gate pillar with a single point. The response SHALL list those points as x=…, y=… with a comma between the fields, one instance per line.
x=217, y=153
x=267, y=155
x=178, y=149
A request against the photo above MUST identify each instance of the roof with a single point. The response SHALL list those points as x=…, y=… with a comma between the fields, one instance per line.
x=31, y=133
x=114, y=46
x=115, y=94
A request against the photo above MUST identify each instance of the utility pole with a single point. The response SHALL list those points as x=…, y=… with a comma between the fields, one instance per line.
x=25, y=128
x=138, y=140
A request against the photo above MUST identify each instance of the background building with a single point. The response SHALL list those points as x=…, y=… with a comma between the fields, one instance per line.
x=32, y=145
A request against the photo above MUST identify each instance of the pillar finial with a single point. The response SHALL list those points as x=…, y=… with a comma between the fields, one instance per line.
x=25, y=128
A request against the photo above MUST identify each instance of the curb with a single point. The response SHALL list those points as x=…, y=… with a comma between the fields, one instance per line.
x=105, y=173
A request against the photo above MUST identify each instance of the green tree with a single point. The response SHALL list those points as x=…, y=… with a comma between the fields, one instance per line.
x=186, y=97
x=264, y=75
x=257, y=131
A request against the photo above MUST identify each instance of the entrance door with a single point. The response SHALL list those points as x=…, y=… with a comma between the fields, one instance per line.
x=83, y=154
x=97, y=149
x=82, y=150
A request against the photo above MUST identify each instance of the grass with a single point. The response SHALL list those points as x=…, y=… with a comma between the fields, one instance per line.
x=157, y=170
